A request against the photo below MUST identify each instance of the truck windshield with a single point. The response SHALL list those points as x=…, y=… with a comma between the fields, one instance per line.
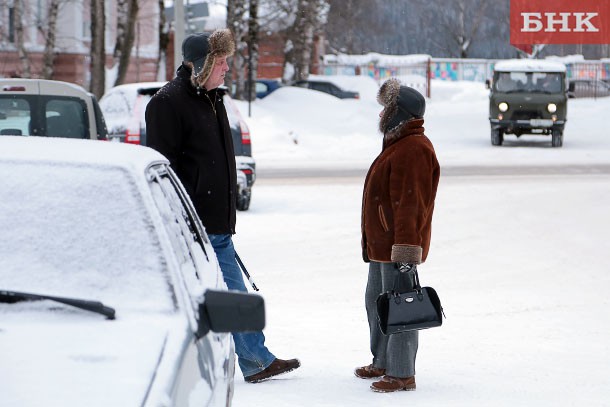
x=543, y=82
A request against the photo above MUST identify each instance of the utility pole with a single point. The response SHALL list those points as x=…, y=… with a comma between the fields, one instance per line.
x=178, y=31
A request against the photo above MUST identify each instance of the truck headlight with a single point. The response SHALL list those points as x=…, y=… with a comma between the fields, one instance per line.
x=503, y=106
x=552, y=107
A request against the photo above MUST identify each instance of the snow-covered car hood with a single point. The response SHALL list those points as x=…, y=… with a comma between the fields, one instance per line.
x=80, y=360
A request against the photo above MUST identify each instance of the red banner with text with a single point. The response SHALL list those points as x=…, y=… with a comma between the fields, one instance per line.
x=560, y=22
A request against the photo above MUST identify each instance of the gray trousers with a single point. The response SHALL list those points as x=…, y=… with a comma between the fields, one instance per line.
x=395, y=353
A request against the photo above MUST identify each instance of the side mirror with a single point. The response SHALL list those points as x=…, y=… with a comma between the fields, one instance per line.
x=487, y=83
x=230, y=311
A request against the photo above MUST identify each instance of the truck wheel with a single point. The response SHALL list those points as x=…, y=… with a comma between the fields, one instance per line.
x=557, y=140
x=497, y=137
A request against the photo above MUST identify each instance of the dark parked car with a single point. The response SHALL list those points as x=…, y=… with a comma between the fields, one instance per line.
x=124, y=107
x=266, y=86
x=110, y=291
x=327, y=87
x=38, y=107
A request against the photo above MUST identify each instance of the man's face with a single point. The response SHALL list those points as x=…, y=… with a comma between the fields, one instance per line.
x=217, y=77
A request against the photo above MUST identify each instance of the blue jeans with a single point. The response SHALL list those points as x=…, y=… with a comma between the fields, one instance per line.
x=253, y=355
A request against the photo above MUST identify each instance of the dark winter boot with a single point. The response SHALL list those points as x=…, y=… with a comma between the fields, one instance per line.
x=277, y=367
x=389, y=384
x=369, y=372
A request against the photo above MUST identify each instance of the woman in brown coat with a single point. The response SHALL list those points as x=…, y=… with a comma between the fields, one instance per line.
x=397, y=208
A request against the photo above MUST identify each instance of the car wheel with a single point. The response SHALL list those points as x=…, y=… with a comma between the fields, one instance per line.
x=557, y=140
x=243, y=200
x=497, y=137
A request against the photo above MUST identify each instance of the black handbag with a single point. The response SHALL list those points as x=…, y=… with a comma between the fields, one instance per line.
x=408, y=310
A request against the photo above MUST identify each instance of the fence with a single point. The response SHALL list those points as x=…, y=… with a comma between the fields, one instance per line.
x=416, y=75
x=586, y=78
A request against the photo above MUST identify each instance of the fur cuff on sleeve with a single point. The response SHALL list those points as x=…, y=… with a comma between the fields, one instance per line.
x=404, y=253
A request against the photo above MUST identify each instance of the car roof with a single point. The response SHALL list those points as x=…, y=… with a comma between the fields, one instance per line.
x=72, y=151
x=42, y=87
x=529, y=65
x=140, y=85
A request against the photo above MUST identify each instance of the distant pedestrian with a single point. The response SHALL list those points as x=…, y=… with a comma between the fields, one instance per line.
x=398, y=203
x=187, y=122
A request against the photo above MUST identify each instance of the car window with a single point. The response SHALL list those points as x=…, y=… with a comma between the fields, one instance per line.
x=117, y=107
x=115, y=103
x=261, y=87
x=15, y=116
x=189, y=241
x=80, y=231
x=319, y=86
x=65, y=118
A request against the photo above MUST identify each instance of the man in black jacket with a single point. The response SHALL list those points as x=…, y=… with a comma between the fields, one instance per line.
x=187, y=122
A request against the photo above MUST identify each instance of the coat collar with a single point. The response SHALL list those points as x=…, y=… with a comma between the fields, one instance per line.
x=184, y=74
x=412, y=127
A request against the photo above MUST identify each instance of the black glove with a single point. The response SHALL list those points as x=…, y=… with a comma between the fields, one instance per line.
x=405, y=267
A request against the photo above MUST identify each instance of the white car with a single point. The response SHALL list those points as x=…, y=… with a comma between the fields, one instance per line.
x=110, y=292
x=39, y=107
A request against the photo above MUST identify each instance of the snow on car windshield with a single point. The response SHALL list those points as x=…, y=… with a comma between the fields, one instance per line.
x=79, y=231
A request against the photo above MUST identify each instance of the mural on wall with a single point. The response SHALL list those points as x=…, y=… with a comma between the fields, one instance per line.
x=579, y=70
x=447, y=71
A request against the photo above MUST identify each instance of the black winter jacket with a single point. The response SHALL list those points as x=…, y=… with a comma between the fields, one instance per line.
x=182, y=125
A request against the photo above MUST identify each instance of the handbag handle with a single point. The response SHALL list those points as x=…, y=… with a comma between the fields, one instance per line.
x=403, y=269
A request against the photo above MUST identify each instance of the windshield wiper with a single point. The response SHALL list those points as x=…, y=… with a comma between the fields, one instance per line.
x=11, y=297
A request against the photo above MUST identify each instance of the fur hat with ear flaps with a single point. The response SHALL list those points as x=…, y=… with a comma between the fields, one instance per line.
x=401, y=104
x=201, y=49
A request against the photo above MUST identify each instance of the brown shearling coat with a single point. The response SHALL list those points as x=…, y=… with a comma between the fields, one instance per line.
x=398, y=199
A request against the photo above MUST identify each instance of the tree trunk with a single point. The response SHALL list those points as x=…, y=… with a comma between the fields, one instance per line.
x=49, y=47
x=98, y=49
x=253, y=48
x=19, y=40
x=127, y=12
x=302, y=38
x=236, y=17
x=163, y=37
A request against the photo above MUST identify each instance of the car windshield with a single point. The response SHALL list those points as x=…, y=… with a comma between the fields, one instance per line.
x=80, y=231
x=53, y=116
x=542, y=82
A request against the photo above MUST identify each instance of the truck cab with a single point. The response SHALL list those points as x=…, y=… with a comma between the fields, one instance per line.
x=528, y=97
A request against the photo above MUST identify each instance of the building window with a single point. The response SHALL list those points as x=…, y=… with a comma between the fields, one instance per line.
x=11, y=24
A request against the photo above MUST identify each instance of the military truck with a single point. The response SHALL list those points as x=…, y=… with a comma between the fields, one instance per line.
x=528, y=97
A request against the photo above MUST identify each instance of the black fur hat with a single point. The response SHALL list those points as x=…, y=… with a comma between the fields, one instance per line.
x=200, y=49
x=401, y=104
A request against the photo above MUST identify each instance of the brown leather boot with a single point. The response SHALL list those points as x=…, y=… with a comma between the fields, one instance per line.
x=369, y=372
x=277, y=367
x=390, y=384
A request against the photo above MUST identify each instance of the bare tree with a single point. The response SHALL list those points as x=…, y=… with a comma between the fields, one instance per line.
x=127, y=13
x=347, y=19
x=163, y=36
x=459, y=23
x=236, y=21
x=18, y=12
x=49, y=33
x=253, y=27
x=98, y=48
x=310, y=14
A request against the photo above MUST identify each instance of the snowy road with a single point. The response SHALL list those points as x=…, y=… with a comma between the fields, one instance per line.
x=520, y=263
x=265, y=175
